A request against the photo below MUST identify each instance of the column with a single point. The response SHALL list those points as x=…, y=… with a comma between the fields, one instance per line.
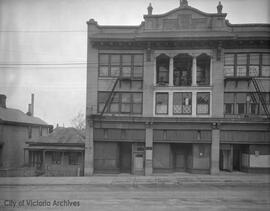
x=148, y=149
x=171, y=72
x=89, y=149
x=170, y=104
x=194, y=71
x=215, y=149
x=194, y=103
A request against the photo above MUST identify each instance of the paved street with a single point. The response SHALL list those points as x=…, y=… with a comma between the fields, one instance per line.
x=148, y=197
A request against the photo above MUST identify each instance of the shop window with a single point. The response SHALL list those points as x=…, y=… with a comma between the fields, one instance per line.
x=240, y=108
x=203, y=69
x=203, y=103
x=73, y=158
x=182, y=70
x=254, y=108
x=56, y=158
x=229, y=108
x=161, y=103
x=124, y=65
x=162, y=65
x=182, y=103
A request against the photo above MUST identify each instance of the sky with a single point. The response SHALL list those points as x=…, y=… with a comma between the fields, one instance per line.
x=43, y=46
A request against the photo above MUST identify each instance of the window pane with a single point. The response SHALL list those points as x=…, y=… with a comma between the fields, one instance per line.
x=253, y=71
x=254, y=108
x=241, y=71
x=241, y=108
x=115, y=71
x=114, y=108
x=125, y=108
x=241, y=59
x=228, y=97
x=126, y=60
x=126, y=71
x=126, y=97
x=254, y=58
x=229, y=59
x=266, y=71
x=102, y=97
x=203, y=100
x=103, y=59
x=138, y=60
x=161, y=103
x=228, y=108
x=138, y=72
x=137, y=108
x=241, y=98
x=104, y=71
x=125, y=85
x=116, y=98
x=136, y=84
x=266, y=59
x=229, y=70
x=115, y=59
x=100, y=107
x=137, y=97
x=163, y=75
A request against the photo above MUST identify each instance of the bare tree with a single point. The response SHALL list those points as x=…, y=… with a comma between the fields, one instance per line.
x=78, y=121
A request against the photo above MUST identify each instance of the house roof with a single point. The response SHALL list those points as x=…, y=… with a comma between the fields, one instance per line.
x=61, y=135
x=17, y=116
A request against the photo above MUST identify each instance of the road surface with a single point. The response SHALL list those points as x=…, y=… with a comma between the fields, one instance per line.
x=140, y=197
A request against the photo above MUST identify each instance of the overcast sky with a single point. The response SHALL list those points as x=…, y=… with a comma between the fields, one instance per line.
x=39, y=37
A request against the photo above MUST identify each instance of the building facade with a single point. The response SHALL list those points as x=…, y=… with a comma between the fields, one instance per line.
x=16, y=128
x=182, y=91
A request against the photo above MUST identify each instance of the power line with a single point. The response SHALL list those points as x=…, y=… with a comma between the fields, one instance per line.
x=42, y=31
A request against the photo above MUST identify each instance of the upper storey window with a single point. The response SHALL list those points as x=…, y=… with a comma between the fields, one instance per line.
x=163, y=64
x=247, y=65
x=121, y=65
x=203, y=69
x=182, y=70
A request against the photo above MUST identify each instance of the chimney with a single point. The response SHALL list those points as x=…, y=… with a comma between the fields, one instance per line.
x=30, y=111
x=3, y=101
x=32, y=105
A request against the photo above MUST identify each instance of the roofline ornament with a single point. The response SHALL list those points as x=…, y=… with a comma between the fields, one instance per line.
x=183, y=3
x=150, y=9
x=219, y=8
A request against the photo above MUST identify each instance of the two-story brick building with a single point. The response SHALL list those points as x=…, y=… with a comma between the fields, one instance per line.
x=182, y=91
x=16, y=128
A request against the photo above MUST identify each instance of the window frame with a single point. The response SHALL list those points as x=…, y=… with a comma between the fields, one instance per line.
x=209, y=102
x=167, y=110
x=121, y=65
x=248, y=64
x=120, y=102
x=173, y=104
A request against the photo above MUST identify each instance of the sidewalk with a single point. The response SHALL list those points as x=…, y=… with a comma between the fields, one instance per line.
x=126, y=179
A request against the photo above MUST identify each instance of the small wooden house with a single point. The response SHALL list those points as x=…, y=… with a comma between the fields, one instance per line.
x=59, y=154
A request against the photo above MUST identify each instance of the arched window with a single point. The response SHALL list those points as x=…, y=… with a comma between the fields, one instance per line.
x=162, y=65
x=203, y=70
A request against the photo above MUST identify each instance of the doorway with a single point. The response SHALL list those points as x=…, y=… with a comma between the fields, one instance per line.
x=125, y=157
